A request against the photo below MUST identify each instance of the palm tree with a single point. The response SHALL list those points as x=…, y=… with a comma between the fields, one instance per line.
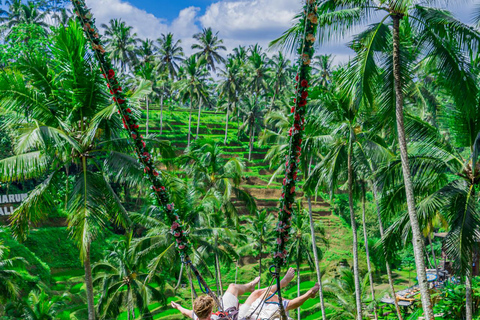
x=10, y=277
x=193, y=88
x=281, y=75
x=209, y=45
x=123, y=283
x=230, y=88
x=170, y=54
x=314, y=144
x=302, y=242
x=205, y=165
x=146, y=52
x=341, y=290
x=260, y=235
x=322, y=65
x=120, y=43
x=253, y=116
x=24, y=14
x=40, y=306
x=428, y=22
x=74, y=136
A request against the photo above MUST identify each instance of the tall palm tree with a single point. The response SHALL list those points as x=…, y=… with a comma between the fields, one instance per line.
x=253, y=115
x=230, y=88
x=146, y=52
x=322, y=66
x=209, y=46
x=204, y=163
x=260, y=236
x=281, y=74
x=69, y=130
x=301, y=244
x=120, y=43
x=24, y=14
x=123, y=283
x=192, y=88
x=429, y=22
x=170, y=54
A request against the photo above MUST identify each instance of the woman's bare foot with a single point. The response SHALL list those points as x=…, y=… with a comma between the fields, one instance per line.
x=251, y=285
x=313, y=291
x=288, y=277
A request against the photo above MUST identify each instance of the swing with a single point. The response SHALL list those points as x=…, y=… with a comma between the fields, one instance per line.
x=309, y=19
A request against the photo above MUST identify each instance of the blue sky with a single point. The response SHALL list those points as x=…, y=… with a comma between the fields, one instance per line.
x=240, y=22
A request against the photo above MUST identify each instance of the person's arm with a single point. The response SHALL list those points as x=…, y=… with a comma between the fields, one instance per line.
x=183, y=311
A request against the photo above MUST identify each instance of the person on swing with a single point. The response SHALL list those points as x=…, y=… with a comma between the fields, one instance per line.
x=252, y=309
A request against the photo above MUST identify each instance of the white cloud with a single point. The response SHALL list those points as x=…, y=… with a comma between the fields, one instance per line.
x=144, y=24
x=250, y=20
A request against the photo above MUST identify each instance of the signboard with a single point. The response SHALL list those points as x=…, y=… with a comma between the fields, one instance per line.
x=7, y=201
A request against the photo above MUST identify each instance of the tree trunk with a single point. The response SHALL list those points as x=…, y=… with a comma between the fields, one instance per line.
x=369, y=266
x=402, y=142
x=260, y=269
x=250, y=147
x=148, y=118
x=387, y=264
x=315, y=255
x=226, y=125
x=356, y=271
x=193, y=292
x=189, y=124
x=236, y=271
x=298, y=285
x=468, y=292
x=179, y=278
x=89, y=283
x=433, y=256
x=198, y=120
x=161, y=114
x=219, y=271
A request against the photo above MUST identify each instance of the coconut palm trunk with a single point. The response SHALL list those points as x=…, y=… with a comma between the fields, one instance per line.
x=252, y=134
x=226, y=124
x=260, y=267
x=418, y=243
x=219, y=271
x=468, y=292
x=317, y=262
x=198, y=119
x=89, y=283
x=161, y=114
x=148, y=114
x=434, y=257
x=387, y=264
x=179, y=278
x=314, y=249
x=356, y=271
x=189, y=124
x=367, y=252
x=298, y=284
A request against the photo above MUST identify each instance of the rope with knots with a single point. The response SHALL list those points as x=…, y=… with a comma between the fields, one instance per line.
x=130, y=122
x=308, y=24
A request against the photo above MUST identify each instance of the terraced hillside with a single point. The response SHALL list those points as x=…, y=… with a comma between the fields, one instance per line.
x=212, y=127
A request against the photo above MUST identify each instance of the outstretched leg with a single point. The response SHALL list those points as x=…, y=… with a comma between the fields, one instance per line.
x=261, y=292
x=299, y=301
x=239, y=289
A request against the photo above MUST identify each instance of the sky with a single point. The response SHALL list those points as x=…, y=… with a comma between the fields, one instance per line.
x=239, y=22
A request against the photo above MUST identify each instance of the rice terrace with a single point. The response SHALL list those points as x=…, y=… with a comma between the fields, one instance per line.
x=240, y=159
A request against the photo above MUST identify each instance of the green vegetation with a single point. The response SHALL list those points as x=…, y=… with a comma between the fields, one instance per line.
x=389, y=161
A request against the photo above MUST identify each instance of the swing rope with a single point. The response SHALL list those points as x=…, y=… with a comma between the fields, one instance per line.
x=130, y=123
x=309, y=22
x=159, y=192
